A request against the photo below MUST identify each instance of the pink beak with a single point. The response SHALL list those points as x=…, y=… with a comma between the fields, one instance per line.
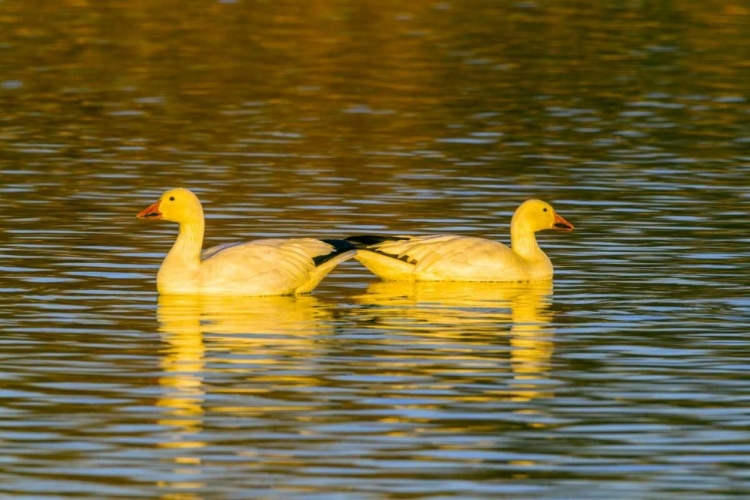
x=151, y=212
x=561, y=223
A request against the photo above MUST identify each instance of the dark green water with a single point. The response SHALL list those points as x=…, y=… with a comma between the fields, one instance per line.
x=627, y=379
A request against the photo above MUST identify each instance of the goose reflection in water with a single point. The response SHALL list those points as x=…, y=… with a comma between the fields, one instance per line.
x=232, y=334
x=454, y=313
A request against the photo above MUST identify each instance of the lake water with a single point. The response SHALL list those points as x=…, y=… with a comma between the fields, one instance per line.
x=628, y=378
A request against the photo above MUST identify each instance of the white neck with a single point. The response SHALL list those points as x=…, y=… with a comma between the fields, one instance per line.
x=523, y=241
x=189, y=242
x=182, y=263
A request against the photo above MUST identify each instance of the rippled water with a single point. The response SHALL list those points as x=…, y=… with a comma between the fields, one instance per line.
x=627, y=378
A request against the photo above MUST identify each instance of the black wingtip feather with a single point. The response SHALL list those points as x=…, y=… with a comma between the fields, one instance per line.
x=366, y=240
x=339, y=247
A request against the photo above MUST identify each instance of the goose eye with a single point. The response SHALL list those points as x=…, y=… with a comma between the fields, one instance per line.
x=171, y=198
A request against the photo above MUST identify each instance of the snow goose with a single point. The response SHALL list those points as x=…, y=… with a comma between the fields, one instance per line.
x=260, y=267
x=465, y=258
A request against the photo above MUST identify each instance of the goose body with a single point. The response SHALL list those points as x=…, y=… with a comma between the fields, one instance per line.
x=260, y=267
x=465, y=258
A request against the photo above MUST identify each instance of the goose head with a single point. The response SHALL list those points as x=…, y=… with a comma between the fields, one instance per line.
x=538, y=215
x=177, y=205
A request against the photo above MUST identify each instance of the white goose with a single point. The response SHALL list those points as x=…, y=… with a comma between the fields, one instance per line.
x=465, y=258
x=260, y=267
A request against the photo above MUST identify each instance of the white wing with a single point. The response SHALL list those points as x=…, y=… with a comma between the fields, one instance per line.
x=451, y=257
x=270, y=266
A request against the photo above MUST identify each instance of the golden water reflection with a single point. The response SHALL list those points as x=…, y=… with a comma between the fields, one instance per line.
x=232, y=334
x=455, y=311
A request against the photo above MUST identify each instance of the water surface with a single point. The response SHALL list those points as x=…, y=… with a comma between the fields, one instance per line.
x=625, y=378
